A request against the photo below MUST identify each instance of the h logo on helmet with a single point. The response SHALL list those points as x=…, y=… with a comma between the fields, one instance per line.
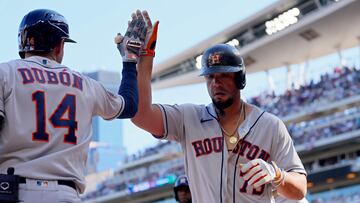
x=214, y=59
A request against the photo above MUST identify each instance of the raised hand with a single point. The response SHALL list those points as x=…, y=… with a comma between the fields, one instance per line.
x=131, y=44
x=148, y=48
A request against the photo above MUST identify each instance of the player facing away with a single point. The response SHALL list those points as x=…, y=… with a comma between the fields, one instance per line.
x=46, y=110
x=234, y=151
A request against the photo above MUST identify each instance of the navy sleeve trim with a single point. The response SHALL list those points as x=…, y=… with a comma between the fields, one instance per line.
x=120, y=110
x=166, y=124
x=1, y=121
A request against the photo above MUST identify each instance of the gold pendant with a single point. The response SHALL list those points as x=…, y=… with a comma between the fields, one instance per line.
x=233, y=140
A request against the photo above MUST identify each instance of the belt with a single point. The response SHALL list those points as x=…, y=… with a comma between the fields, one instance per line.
x=60, y=182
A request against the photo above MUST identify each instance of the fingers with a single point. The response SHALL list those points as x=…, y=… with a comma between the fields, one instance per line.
x=139, y=25
x=131, y=24
x=139, y=14
x=246, y=167
x=147, y=19
x=257, y=172
x=255, y=176
x=142, y=33
x=136, y=24
x=259, y=178
x=118, y=38
x=251, y=172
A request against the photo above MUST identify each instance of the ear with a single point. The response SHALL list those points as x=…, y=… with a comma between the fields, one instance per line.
x=59, y=47
x=58, y=51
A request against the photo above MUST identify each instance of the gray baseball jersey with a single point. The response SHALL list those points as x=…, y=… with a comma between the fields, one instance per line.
x=211, y=168
x=48, y=110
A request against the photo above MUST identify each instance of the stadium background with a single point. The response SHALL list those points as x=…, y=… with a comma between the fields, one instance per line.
x=320, y=107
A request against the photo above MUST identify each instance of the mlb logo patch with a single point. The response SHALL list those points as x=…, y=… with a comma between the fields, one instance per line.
x=42, y=183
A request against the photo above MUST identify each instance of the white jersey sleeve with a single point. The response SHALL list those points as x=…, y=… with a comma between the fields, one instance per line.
x=107, y=105
x=173, y=120
x=284, y=153
x=4, y=89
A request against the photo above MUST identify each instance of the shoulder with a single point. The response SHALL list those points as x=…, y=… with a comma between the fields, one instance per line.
x=185, y=106
x=185, y=109
x=277, y=125
x=87, y=79
x=269, y=119
x=10, y=64
x=274, y=127
x=196, y=107
x=7, y=67
x=273, y=118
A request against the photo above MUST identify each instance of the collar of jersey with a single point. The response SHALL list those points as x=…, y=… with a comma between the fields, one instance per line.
x=45, y=62
x=245, y=126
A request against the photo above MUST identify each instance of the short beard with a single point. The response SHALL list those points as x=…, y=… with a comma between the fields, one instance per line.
x=220, y=106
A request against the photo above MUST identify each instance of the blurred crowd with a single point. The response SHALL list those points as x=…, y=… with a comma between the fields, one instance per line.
x=352, y=198
x=351, y=158
x=325, y=127
x=126, y=180
x=342, y=83
x=161, y=146
x=344, y=195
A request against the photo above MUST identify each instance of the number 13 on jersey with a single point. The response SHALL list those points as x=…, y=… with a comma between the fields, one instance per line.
x=254, y=191
x=66, y=106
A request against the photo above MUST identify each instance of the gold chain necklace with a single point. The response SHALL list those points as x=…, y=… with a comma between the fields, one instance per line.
x=232, y=136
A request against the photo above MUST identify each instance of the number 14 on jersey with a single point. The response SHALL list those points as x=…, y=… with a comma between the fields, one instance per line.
x=58, y=120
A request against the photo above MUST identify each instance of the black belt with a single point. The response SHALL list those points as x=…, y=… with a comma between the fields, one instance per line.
x=60, y=182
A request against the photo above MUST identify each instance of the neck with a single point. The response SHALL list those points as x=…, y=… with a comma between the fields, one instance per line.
x=230, y=122
x=45, y=55
x=232, y=111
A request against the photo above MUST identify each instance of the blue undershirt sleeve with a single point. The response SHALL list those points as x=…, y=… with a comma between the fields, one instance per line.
x=129, y=90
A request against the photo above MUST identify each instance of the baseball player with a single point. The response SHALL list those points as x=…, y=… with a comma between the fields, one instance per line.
x=234, y=151
x=181, y=190
x=46, y=111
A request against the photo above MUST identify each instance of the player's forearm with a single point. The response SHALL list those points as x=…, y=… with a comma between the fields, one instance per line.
x=148, y=116
x=144, y=82
x=294, y=186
